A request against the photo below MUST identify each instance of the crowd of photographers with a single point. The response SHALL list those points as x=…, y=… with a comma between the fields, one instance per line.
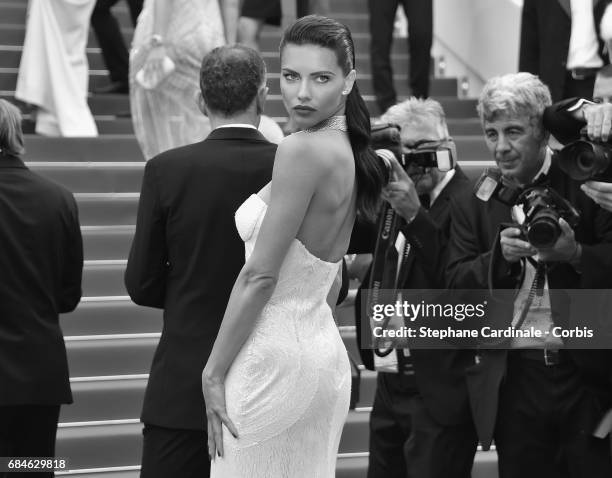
x=536, y=223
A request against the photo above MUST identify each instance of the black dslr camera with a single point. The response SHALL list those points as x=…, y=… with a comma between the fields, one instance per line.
x=386, y=140
x=584, y=159
x=543, y=207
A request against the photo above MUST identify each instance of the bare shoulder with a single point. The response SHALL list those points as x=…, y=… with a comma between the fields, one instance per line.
x=321, y=149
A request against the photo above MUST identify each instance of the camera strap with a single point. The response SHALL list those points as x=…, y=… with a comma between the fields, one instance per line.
x=383, y=275
x=537, y=288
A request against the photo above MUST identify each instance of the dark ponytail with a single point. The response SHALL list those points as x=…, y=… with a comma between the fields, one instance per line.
x=370, y=172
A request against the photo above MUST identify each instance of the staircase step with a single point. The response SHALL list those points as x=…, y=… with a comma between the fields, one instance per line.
x=103, y=280
x=107, y=242
x=103, y=357
x=105, y=317
x=83, y=177
x=108, y=148
x=105, y=400
x=107, y=210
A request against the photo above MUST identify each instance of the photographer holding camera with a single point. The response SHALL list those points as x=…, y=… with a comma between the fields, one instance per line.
x=541, y=402
x=576, y=119
x=420, y=423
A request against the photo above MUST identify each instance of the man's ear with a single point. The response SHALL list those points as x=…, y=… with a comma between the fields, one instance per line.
x=262, y=94
x=349, y=82
x=202, y=104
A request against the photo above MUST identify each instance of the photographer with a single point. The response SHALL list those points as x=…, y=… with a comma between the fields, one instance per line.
x=540, y=401
x=421, y=395
x=566, y=119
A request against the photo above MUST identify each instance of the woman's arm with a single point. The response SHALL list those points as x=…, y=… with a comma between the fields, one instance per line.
x=230, y=11
x=161, y=14
x=297, y=171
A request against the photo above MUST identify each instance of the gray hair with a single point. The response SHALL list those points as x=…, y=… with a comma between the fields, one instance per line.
x=414, y=110
x=514, y=95
x=11, y=136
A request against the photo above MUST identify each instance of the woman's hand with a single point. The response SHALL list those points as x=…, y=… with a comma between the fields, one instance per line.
x=216, y=414
x=154, y=64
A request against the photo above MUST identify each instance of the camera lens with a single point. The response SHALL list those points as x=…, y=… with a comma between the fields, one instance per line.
x=544, y=230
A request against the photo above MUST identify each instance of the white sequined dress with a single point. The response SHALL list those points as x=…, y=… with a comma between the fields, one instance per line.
x=288, y=389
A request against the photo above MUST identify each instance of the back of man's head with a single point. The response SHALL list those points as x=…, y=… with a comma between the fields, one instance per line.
x=417, y=111
x=230, y=78
x=513, y=96
x=11, y=136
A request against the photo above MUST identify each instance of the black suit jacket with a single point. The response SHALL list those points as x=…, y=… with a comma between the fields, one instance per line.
x=545, y=34
x=41, y=263
x=186, y=256
x=475, y=255
x=439, y=374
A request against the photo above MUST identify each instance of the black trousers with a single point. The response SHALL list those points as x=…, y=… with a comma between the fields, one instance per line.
x=28, y=430
x=169, y=452
x=109, y=36
x=545, y=419
x=406, y=441
x=420, y=34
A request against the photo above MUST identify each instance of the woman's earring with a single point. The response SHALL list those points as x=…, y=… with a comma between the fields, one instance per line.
x=345, y=92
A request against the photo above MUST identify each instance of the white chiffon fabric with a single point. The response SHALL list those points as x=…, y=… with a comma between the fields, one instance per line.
x=168, y=116
x=288, y=389
x=54, y=72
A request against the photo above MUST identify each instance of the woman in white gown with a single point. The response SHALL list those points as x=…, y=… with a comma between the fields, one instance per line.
x=278, y=361
x=54, y=73
x=165, y=115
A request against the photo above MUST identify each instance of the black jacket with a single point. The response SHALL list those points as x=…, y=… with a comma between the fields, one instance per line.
x=41, y=264
x=475, y=256
x=186, y=256
x=545, y=34
x=439, y=373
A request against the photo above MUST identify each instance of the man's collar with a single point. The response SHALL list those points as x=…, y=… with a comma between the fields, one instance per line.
x=233, y=132
x=543, y=172
x=236, y=125
x=435, y=192
x=10, y=161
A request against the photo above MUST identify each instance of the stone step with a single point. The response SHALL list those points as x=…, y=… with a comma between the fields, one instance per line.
x=87, y=177
x=98, y=78
x=107, y=317
x=107, y=242
x=124, y=148
x=101, y=279
x=113, y=209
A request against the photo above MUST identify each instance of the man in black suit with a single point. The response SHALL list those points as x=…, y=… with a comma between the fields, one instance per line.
x=540, y=400
x=41, y=263
x=560, y=43
x=420, y=36
x=187, y=253
x=112, y=44
x=420, y=423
